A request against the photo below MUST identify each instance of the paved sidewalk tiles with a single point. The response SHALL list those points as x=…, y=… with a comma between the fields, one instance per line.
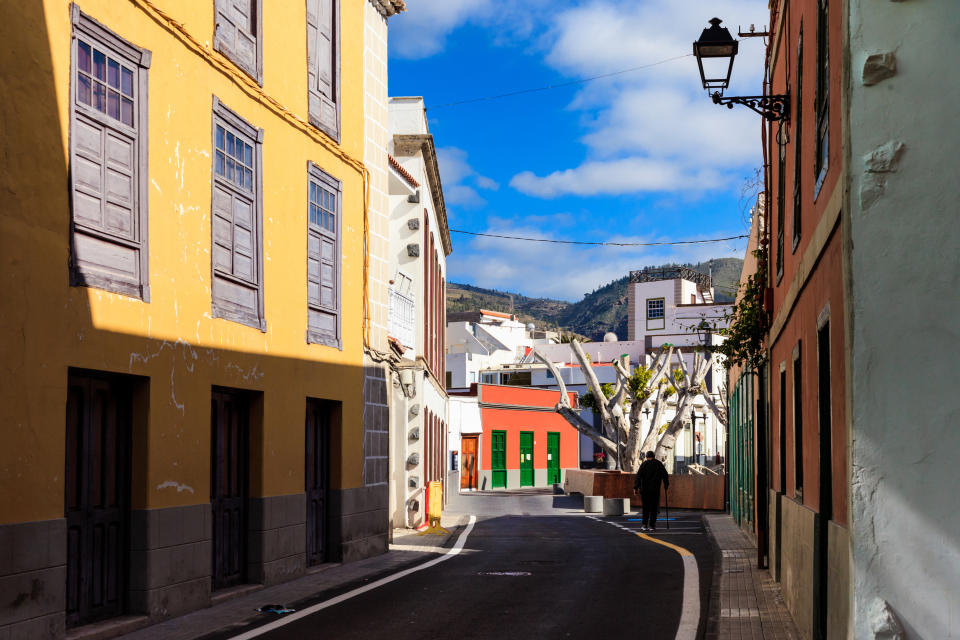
x=745, y=603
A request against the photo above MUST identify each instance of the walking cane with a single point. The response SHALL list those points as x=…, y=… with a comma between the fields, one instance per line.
x=666, y=493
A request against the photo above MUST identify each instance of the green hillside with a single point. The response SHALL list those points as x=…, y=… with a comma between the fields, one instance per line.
x=599, y=311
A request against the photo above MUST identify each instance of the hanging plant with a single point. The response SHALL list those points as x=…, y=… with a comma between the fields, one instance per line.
x=748, y=321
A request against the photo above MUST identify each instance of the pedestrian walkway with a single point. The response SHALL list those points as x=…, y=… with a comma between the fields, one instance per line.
x=745, y=601
x=239, y=613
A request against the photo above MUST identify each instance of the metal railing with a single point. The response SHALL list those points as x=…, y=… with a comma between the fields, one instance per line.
x=402, y=318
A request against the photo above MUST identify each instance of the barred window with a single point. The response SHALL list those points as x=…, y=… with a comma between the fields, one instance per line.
x=655, y=307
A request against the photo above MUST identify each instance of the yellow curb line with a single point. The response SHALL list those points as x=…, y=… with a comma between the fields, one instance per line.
x=690, y=613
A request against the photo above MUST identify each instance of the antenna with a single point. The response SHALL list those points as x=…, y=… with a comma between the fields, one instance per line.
x=753, y=33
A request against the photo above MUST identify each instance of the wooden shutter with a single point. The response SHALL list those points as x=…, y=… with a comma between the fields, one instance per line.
x=323, y=63
x=235, y=33
x=108, y=160
x=323, y=258
x=236, y=230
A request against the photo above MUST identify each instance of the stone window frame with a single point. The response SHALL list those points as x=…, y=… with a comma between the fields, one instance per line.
x=223, y=115
x=82, y=25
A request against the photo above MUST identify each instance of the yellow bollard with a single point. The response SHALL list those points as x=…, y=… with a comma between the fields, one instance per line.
x=434, y=509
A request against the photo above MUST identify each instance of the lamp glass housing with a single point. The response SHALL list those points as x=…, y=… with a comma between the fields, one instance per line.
x=715, y=51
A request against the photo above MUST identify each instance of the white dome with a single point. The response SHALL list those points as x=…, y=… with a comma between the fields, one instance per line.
x=610, y=336
x=531, y=326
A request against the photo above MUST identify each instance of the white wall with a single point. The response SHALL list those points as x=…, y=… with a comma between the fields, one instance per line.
x=905, y=270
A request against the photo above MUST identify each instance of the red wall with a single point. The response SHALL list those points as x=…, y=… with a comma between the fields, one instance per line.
x=511, y=416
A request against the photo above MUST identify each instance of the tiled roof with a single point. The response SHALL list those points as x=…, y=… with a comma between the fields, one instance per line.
x=403, y=172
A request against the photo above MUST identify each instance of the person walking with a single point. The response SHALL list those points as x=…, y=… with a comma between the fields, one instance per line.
x=647, y=483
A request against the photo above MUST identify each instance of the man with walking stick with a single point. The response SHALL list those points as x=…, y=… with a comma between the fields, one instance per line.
x=647, y=483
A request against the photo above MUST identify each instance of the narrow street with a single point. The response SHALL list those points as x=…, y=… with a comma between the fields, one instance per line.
x=524, y=573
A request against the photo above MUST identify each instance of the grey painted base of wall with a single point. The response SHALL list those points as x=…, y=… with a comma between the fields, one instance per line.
x=170, y=562
x=485, y=479
x=363, y=522
x=796, y=562
x=170, y=556
x=33, y=576
x=838, y=585
x=277, y=546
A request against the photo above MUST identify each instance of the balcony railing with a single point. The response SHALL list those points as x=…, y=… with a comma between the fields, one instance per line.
x=402, y=318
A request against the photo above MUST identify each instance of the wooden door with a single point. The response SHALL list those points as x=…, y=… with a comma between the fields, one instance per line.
x=526, y=458
x=319, y=418
x=553, y=458
x=498, y=459
x=230, y=426
x=98, y=496
x=468, y=462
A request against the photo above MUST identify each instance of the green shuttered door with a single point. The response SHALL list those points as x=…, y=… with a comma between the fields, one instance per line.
x=553, y=458
x=526, y=458
x=499, y=459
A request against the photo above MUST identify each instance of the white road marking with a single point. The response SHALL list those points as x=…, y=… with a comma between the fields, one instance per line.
x=276, y=624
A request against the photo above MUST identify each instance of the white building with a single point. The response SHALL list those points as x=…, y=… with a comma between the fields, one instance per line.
x=419, y=242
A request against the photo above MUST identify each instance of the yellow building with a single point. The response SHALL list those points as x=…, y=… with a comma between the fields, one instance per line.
x=190, y=398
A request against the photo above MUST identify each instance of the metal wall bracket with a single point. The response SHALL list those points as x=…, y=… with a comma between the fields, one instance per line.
x=773, y=108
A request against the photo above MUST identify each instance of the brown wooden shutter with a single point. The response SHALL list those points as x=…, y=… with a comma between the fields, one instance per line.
x=235, y=33
x=323, y=48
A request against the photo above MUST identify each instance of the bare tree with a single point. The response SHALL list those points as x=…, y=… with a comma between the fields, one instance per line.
x=631, y=411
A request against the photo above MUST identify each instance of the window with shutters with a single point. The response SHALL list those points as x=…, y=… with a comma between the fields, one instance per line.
x=323, y=258
x=823, y=96
x=323, y=65
x=237, y=243
x=237, y=34
x=108, y=160
x=798, y=145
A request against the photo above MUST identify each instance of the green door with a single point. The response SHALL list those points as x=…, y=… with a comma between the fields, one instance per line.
x=553, y=458
x=526, y=458
x=498, y=459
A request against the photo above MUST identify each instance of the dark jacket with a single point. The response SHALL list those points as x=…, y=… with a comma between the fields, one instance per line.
x=649, y=476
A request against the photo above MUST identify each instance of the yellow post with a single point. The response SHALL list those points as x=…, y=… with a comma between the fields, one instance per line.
x=434, y=509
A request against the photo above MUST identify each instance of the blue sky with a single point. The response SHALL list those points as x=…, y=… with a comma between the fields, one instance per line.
x=643, y=156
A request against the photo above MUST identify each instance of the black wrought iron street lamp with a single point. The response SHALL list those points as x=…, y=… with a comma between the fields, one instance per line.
x=704, y=331
x=716, y=48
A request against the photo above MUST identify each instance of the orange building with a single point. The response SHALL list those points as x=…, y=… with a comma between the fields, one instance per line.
x=526, y=443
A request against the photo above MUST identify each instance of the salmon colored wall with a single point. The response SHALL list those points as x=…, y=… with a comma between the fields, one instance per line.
x=46, y=326
x=513, y=421
x=825, y=285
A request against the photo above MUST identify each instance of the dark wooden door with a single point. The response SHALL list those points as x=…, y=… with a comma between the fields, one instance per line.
x=98, y=496
x=230, y=426
x=319, y=418
x=468, y=462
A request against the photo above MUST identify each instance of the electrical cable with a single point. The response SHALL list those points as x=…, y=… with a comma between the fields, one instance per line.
x=607, y=244
x=559, y=85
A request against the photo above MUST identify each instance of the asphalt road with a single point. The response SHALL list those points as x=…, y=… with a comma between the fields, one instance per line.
x=531, y=577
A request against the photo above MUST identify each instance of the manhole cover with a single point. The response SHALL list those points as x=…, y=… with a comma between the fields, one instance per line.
x=504, y=573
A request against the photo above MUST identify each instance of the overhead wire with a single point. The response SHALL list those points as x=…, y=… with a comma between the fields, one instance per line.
x=559, y=85
x=598, y=243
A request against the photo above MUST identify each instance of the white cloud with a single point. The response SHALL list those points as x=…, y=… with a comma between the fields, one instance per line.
x=627, y=175
x=422, y=30
x=457, y=176
x=653, y=130
x=564, y=271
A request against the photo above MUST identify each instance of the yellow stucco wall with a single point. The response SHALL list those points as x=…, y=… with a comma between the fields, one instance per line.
x=47, y=326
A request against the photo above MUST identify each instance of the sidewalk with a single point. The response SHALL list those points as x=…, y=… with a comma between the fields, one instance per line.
x=320, y=583
x=745, y=602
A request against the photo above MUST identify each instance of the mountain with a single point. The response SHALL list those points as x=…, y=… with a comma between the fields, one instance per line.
x=599, y=311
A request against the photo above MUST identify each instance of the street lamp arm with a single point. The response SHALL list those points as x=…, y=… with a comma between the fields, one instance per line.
x=773, y=108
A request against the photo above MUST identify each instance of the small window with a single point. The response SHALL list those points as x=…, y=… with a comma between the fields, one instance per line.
x=449, y=379
x=237, y=243
x=236, y=34
x=655, y=308
x=323, y=258
x=488, y=378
